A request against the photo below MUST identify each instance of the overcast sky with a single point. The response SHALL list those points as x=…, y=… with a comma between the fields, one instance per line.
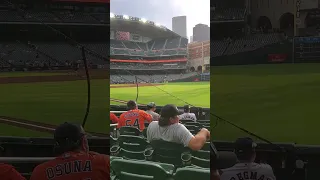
x=162, y=11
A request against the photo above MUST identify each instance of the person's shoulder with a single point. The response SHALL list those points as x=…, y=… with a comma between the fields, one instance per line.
x=98, y=158
x=265, y=166
x=8, y=171
x=42, y=167
x=5, y=166
x=153, y=123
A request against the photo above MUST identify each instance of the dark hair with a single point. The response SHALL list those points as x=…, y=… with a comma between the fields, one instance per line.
x=64, y=145
x=131, y=104
x=148, y=107
x=186, y=108
x=164, y=121
x=245, y=156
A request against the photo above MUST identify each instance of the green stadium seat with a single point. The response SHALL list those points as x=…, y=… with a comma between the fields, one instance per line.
x=128, y=130
x=188, y=173
x=114, y=157
x=132, y=147
x=169, y=152
x=201, y=158
x=193, y=129
x=113, y=141
x=140, y=170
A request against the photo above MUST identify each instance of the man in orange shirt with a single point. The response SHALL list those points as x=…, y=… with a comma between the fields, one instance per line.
x=114, y=118
x=74, y=161
x=134, y=117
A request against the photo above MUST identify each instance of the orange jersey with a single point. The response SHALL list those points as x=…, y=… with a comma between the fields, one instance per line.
x=114, y=118
x=8, y=172
x=75, y=166
x=134, y=118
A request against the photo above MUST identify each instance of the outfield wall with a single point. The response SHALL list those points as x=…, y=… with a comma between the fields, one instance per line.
x=277, y=53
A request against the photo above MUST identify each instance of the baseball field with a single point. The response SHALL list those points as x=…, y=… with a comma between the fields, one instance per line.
x=278, y=102
x=33, y=103
x=195, y=93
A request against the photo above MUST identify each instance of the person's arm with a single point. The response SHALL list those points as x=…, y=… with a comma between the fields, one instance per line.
x=146, y=116
x=198, y=141
x=120, y=122
x=114, y=118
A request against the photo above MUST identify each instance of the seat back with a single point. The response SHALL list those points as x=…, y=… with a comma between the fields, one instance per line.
x=138, y=170
x=128, y=130
x=168, y=152
x=187, y=173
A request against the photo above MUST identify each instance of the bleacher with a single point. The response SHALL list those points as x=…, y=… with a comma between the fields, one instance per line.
x=228, y=14
x=56, y=54
x=156, y=47
x=8, y=15
x=244, y=44
x=133, y=157
x=124, y=79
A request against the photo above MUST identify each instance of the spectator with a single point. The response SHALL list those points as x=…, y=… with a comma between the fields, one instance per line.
x=74, y=160
x=151, y=108
x=134, y=117
x=246, y=168
x=187, y=115
x=8, y=172
x=169, y=129
x=114, y=119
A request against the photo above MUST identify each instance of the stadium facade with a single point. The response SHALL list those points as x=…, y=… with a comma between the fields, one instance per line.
x=147, y=50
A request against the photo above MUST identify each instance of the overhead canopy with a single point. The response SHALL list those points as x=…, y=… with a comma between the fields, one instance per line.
x=140, y=28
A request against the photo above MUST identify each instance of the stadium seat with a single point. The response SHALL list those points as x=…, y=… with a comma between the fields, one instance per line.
x=169, y=152
x=132, y=147
x=128, y=130
x=201, y=158
x=188, y=173
x=140, y=170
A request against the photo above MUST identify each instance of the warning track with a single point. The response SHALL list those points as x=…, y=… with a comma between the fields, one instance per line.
x=37, y=126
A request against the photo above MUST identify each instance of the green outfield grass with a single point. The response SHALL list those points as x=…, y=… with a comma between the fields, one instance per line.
x=17, y=131
x=55, y=103
x=278, y=102
x=195, y=93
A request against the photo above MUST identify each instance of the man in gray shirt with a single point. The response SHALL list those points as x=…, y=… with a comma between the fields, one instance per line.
x=169, y=129
x=151, y=107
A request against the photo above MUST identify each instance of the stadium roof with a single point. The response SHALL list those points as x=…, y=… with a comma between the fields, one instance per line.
x=139, y=26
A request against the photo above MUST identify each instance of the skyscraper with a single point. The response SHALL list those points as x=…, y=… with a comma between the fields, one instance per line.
x=201, y=32
x=179, y=25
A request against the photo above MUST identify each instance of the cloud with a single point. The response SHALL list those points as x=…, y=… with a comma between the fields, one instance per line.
x=162, y=11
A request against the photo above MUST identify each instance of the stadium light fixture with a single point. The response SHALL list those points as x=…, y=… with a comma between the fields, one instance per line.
x=143, y=20
x=125, y=17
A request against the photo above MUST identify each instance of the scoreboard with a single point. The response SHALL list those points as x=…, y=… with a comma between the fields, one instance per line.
x=306, y=49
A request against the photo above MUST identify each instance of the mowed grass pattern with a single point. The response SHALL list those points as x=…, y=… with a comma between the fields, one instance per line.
x=55, y=103
x=195, y=93
x=278, y=102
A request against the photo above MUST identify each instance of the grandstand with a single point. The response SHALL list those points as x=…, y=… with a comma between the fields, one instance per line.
x=276, y=44
x=42, y=76
x=148, y=61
